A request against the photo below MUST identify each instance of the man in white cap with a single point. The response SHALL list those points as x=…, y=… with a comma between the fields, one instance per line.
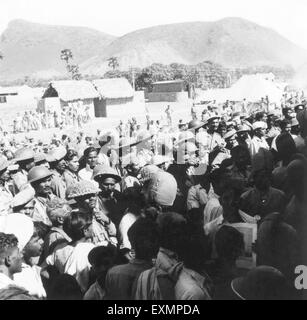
x=258, y=141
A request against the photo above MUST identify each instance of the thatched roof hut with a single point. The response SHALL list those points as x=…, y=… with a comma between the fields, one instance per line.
x=71, y=90
x=115, y=88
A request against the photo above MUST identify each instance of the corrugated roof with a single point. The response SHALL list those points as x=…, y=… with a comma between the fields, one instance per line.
x=114, y=88
x=71, y=90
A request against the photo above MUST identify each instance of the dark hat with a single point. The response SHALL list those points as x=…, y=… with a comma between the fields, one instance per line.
x=261, y=283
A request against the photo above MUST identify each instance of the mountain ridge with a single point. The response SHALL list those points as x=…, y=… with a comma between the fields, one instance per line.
x=34, y=49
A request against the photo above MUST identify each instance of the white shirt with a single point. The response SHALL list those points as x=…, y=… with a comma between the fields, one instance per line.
x=73, y=261
x=87, y=174
x=30, y=279
x=256, y=144
x=5, y=281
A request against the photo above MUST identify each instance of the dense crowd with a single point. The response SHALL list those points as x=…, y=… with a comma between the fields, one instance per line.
x=158, y=211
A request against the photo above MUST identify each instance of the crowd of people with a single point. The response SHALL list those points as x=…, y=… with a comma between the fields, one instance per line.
x=34, y=120
x=151, y=212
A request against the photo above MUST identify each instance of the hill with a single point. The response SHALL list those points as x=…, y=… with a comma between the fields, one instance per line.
x=231, y=42
x=32, y=48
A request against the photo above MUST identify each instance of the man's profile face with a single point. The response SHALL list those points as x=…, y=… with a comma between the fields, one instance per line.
x=34, y=247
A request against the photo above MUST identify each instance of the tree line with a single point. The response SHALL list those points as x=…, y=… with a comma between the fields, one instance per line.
x=204, y=75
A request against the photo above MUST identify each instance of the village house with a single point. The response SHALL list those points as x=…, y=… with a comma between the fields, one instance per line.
x=69, y=93
x=170, y=91
x=116, y=97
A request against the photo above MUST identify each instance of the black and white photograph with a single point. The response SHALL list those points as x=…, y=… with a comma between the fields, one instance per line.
x=153, y=151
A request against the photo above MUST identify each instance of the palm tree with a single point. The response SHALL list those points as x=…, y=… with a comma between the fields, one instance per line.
x=113, y=62
x=66, y=55
x=73, y=69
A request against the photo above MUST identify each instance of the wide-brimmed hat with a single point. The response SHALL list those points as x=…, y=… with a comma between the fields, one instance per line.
x=196, y=124
x=185, y=136
x=38, y=173
x=103, y=171
x=57, y=154
x=13, y=167
x=81, y=188
x=40, y=157
x=23, y=197
x=24, y=154
x=211, y=118
x=229, y=134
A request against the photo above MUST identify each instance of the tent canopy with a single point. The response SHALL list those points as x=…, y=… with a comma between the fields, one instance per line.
x=249, y=87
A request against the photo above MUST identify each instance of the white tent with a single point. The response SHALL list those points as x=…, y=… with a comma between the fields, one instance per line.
x=253, y=88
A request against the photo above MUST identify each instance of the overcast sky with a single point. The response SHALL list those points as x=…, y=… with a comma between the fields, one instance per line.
x=117, y=17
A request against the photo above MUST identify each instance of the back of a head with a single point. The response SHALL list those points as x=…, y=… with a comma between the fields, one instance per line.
x=229, y=243
x=262, y=283
x=65, y=287
x=172, y=228
x=75, y=223
x=102, y=256
x=285, y=146
x=277, y=244
x=144, y=238
x=195, y=251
